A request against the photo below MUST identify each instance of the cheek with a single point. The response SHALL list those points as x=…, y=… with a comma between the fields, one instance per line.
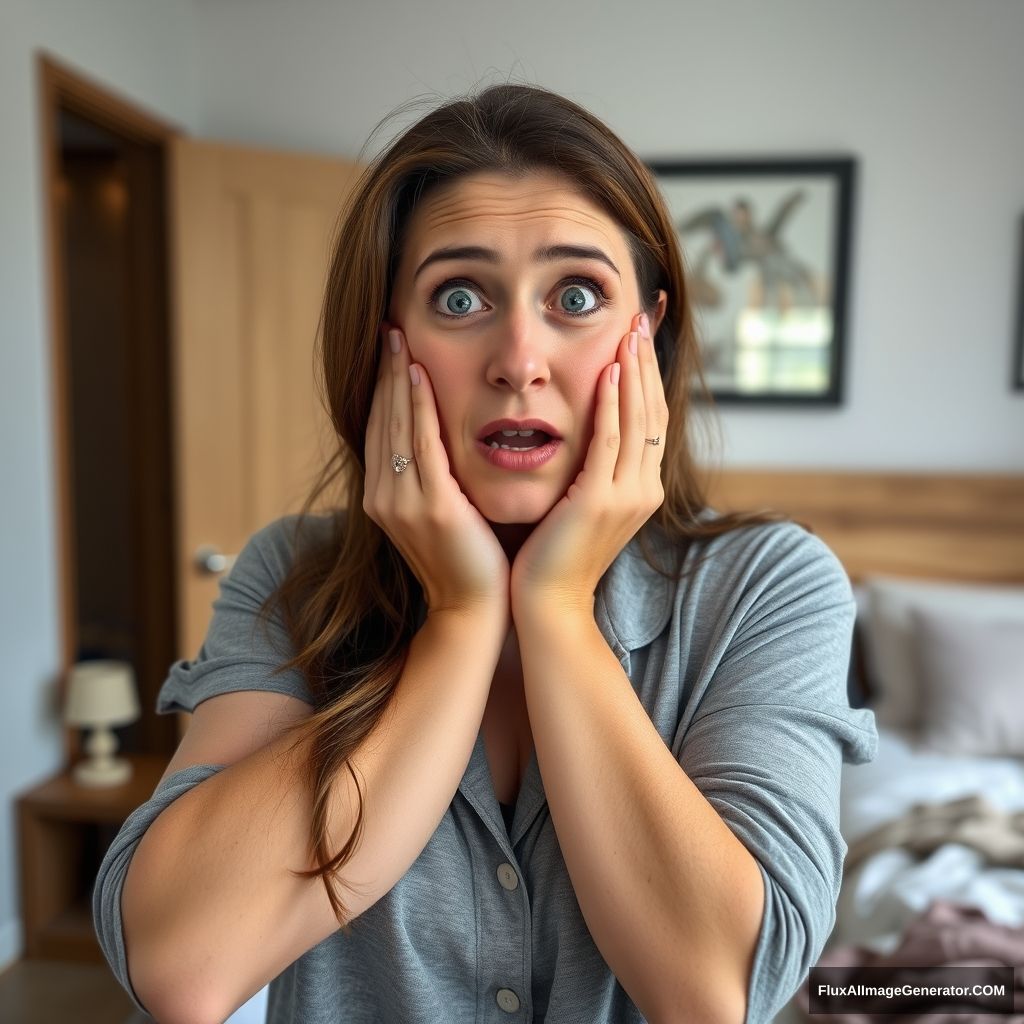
x=581, y=383
x=448, y=380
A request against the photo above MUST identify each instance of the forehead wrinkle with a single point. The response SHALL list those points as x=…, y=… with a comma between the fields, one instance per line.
x=503, y=218
x=476, y=199
x=500, y=192
x=580, y=217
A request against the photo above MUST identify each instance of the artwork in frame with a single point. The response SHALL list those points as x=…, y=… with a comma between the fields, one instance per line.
x=1018, y=347
x=767, y=251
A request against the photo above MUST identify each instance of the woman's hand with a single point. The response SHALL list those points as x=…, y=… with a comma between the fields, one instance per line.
x=446, y=542
x=616, y=492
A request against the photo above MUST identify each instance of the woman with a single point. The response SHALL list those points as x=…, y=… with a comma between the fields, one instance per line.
x=565, y=636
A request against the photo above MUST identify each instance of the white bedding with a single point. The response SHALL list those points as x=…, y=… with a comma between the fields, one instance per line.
x=880, y=895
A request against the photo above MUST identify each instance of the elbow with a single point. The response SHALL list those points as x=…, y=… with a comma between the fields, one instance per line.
x=729, y=1008
x=168, y=972
x=170, y=989
x=175, y=1010
x=174, y=1001
x=705, y=1003
x=733, y=1010
x=716, y=991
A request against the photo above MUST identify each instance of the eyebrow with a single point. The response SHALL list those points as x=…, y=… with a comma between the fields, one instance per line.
x=547, y=254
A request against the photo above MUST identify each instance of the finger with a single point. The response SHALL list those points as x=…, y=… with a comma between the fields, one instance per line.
x=633, y=419
x=400, y=420
x=431, y=458
x=373, y=437
x=655, y=404
x=603, y=453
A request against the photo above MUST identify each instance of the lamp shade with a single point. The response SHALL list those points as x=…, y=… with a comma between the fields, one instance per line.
x=101, y=693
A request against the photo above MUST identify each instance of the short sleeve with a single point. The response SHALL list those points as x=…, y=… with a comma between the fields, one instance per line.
x=241, y=652
x=109, y=886
x=767, y=740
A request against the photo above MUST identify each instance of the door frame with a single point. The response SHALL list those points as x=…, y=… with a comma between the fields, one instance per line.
x=63, y=88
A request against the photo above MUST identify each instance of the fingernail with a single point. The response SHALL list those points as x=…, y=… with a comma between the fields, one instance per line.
x=645, y=325
x=615, y=373
x=414, y=374
x=396, y=341
x=632, y=343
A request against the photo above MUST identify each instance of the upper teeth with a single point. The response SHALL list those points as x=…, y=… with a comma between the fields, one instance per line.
x=521, y=433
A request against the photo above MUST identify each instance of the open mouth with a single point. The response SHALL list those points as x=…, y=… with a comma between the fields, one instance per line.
x=517, y=440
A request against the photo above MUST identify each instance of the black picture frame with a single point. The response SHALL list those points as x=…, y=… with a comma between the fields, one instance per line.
x=1017, y=380
x=767, y=247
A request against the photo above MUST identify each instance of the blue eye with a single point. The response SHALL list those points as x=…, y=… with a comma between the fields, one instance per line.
x=459, y=299
x=574, y=299
x=454, y=299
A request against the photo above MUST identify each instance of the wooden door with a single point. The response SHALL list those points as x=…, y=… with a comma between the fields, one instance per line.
x=250, y=238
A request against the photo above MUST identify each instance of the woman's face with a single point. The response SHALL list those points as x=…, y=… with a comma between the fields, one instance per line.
x=517, y=325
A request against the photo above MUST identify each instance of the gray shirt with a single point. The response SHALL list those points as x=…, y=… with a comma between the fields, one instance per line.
x=742, y=669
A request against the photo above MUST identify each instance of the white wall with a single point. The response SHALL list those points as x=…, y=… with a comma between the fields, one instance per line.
x=145, y=49
x=925, y=92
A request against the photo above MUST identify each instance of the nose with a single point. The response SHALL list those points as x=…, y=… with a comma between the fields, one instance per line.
x=519, y=359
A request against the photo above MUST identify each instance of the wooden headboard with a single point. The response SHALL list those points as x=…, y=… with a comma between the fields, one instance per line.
x=947, y=526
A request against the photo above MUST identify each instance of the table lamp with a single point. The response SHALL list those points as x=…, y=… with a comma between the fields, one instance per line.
x=101, y=694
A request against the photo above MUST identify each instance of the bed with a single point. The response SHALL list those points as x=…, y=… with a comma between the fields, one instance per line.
x=885, y=889
x=935, y=824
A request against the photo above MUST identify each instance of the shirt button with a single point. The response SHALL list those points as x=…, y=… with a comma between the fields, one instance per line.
x=508, y=1000
x=508, y=877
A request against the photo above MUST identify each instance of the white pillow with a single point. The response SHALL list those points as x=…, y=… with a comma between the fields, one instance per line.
x=972, y=677
x=889, y=638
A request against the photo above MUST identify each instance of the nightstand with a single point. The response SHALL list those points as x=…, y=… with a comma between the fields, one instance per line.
x=64, y=831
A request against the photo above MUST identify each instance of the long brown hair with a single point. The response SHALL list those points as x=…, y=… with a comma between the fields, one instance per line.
x=351, y=605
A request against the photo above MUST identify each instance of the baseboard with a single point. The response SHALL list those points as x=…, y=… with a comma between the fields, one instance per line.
x=11, y=942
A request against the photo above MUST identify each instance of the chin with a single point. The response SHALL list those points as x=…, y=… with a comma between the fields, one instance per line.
x=508, y=507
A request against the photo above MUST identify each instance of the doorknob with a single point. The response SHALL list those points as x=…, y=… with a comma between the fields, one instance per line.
x=210, y=562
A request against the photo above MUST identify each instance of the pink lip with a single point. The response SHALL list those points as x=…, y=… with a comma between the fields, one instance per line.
x=509, y=424
x=507, y=459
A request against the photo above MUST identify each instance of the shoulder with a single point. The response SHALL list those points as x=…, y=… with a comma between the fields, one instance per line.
x=767, y=573
x=736, y=558
x=764, y=555
x=759, y=564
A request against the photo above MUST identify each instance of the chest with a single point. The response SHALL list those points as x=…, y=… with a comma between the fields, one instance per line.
x=432, y=948
x=507, y=737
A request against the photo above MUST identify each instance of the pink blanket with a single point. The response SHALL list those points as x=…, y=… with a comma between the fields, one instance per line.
x=945, y=933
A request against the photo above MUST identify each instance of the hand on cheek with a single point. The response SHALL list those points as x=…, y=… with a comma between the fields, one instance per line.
x=410, y=494
x=615, y=493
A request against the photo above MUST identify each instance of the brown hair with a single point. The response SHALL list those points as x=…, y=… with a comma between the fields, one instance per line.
x=350, y=607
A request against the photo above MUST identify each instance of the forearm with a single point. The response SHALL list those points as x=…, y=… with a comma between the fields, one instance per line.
x=210, y=906
x=671, y=897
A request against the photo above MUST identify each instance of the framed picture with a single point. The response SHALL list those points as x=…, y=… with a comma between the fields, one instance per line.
x=767, y=251
x=1018, y=345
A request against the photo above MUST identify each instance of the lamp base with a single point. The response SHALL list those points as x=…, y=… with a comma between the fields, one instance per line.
x=97, y=773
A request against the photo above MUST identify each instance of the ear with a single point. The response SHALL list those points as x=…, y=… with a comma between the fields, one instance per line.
x=659, y=311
